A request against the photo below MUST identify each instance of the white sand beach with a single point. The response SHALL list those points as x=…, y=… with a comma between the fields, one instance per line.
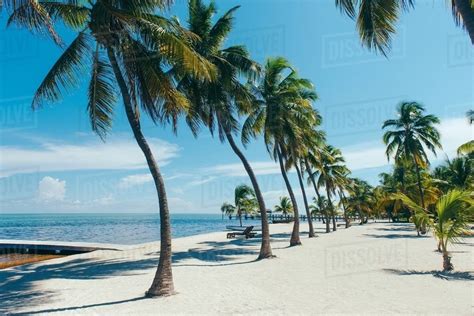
x=378, y=268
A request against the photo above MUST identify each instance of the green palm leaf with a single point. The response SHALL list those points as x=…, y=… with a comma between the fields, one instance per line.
x=65, y=72
x=102, y=96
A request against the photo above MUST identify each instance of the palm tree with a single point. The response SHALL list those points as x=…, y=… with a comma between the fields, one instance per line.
x=449, y=221
x=124, y=44
x=244, y=199
x=217, y=103
x=376, y=20
x=299, y=151
x=343, y=183
x=456, y=173
x=313, y=157
x=360, y=200
x=227, y=209
x=409, y=133
x=282, y=112
x=319, y=206
x=329, y=170
x=285, y=207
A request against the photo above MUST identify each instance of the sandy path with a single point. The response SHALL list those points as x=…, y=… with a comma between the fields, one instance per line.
x=378, y=268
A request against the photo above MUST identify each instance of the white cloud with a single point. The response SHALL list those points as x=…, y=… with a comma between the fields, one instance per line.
x=134, y=180
x=454, y=132
x=201, y=181
x=51, y=189
x=238, y=170
x=115, y=154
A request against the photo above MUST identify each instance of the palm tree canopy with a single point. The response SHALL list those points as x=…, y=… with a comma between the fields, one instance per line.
x=284, y=206
x=228, y=209
x=282, y=110
x=242, y=194
x=410, y=132
x=216, y=104
x=144, y=44
x=376, y=19
x=452, y=214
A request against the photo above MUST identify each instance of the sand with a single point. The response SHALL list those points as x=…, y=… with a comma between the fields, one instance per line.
x=378, y=268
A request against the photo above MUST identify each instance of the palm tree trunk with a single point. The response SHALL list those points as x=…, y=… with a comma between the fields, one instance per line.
x=265, y=247
x=295, y=235
x=467, y=13
x=422, y=196
x=305, y=200
x=447, y=265
x=163, y=281
x=332, y=210
x=318, y=195
x=343, y=198
x=239, y=213
x=418, y=176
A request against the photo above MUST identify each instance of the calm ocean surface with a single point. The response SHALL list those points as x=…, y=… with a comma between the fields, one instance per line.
x=108, y=228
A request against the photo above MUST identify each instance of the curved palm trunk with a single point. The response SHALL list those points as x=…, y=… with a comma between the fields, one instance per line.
x=163, y=281
x=295, y=234
x=319, y=196
x=332, y=210
x=305, y=200
x=467, y=14
x=343, y=198
x=265, y=248
x=422, y=197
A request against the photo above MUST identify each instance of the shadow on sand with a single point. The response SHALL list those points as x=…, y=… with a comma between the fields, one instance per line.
x=19, y=285
x=73, y=308
x=395, y=236
x=453, y=275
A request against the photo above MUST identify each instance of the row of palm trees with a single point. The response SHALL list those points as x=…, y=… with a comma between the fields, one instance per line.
x=168, y=70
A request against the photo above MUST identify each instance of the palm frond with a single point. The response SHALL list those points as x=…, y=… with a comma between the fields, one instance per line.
x=65, y=72
x=102, y=95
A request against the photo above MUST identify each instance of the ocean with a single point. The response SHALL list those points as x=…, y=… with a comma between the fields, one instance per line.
x=126, y=229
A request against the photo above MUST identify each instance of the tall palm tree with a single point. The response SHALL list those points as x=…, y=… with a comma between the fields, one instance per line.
x=407, y=136
x=449, y=221
x=329, y=170
x=299, y=151
x=376, y=20
x=343, y=183
x=285, y=207
x=218, y=103
x=124, y=44
x=313, y=157
x=282, y=112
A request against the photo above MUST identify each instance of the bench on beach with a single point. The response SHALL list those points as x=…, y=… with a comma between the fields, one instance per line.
x=247, y=232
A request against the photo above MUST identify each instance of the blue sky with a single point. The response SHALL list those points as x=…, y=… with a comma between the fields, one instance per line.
x=51, y=162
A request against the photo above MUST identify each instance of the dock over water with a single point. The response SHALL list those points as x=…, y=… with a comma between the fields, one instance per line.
x=53, y=247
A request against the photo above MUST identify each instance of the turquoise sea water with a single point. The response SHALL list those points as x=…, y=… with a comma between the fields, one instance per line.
x=108, y=228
